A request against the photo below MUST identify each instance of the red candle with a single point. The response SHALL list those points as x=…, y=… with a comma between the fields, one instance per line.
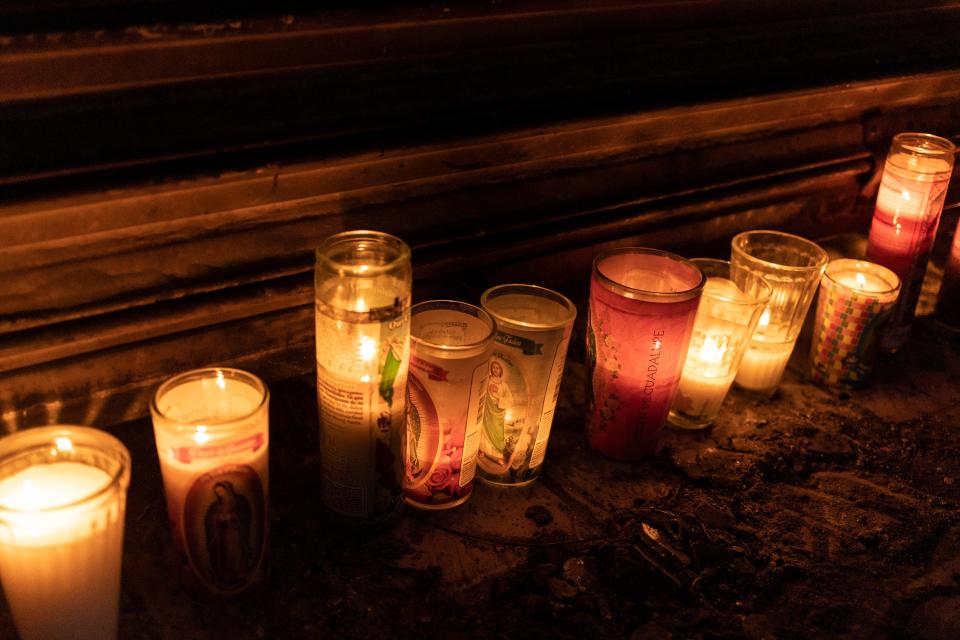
x=642, y=306
x=909, y=203
x=948, y=302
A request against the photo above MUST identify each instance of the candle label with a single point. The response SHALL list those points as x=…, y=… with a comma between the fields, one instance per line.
x=444, y=418
x=522, y=391
x=186, y=455
x=361, y=393
x=224, y=526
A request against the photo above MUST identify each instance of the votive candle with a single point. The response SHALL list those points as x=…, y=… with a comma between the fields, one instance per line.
x=62, y=502
x=909, y=203
x=363, y=281
x=856, y=297
x=726, y=319
x=533, y=332
x=792, y=266
x=212, y=432
x=642, y=308
x=447, y=384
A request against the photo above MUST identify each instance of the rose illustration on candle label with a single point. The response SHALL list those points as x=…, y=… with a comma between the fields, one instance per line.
x=224, y=521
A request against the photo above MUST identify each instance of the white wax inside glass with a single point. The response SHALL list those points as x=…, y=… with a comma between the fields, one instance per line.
x=763, y=365
x=61, y=567
x=861, y=281
x=197, y=406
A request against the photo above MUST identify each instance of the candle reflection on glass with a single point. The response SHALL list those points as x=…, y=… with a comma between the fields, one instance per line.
x=856, y=298
x=726, y=319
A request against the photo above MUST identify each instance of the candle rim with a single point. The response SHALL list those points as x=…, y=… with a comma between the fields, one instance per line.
x=453, y=305
x=845, y=265
x=381, y=238
x=822, y=256
x=762, y=300
x=212, y=425
x=96, y=440
x=534, y=291
x=912, y=142
x=619, y=287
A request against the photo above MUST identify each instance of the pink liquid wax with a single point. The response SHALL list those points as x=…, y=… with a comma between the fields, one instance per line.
x=637, y=342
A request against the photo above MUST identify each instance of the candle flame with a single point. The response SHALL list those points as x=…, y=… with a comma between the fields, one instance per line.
x=220, y=381
x=368, y=348
x=712, y=351
x=861, y=281
x=765, y=318
x=201, y=436
x=63, y=443
x=905, y=195
x=361, y=304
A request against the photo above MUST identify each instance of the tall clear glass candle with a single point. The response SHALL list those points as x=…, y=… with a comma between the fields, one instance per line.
x=643, y=303
x=362, y=288
x=449, y=368
x=533, y=332
x=63, y=493
x=909, y=203
x=213, y=441
x=792, y=266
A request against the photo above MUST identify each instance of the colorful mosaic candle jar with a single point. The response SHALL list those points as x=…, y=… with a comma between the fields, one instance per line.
x=856, y=297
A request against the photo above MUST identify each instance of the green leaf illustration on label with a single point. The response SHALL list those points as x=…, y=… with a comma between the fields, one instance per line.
x=391, y=367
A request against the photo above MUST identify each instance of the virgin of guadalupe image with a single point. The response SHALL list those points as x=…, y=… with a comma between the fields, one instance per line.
x=497, y=404
x=227, y=526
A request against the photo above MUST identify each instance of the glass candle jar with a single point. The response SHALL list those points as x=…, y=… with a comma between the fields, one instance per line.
x=63, y=493
x=909, y=203
x=533, y=333
x=792, y=266
x=213, y=441
x=642, y=308
x=362, y=289
x=856, y=298
x=725, y=322
x=948, y=300
x=451, y=344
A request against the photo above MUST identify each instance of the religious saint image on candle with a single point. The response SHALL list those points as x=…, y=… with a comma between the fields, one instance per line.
x=505, y=443
x=224, y=525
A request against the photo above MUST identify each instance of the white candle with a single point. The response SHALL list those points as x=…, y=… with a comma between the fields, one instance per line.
x=362, y=293
x=763, y=365
x=61, y=543
x=705, y=380
x=212, y=434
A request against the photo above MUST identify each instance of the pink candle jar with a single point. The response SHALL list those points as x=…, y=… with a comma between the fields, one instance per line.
x=948, y=301
x=909, y=203
x=643, y=303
